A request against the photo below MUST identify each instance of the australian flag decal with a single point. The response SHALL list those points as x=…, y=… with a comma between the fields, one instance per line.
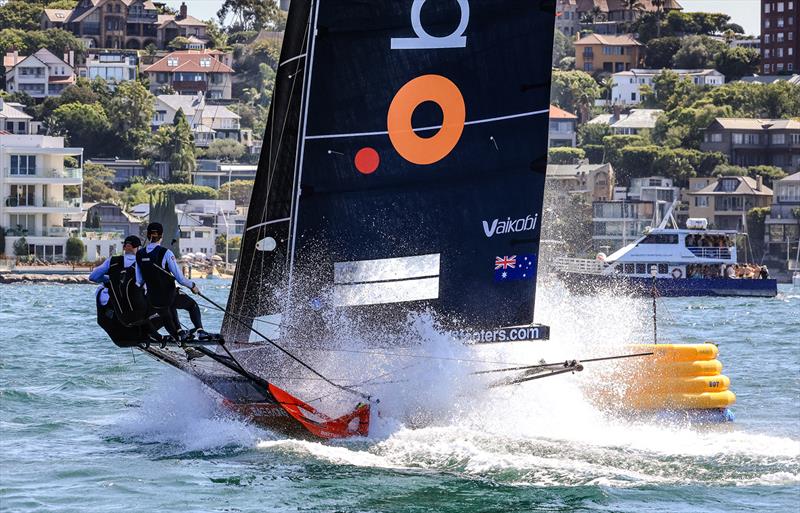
x=515, y=267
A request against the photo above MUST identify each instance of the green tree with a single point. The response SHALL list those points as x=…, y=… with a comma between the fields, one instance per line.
x=130, y=111
x=684, y=127
x=770, y=174
x=661, y=51
x=178, y=43
x=698, y=52
x=21, y=248
x=21, y=15
x=217, y=38
x=238, y=190
x=738, y=62
x=729, y=170
x=162, y=210
x=182, y=157
x=574, y=91
x=756, y=229
x=75, y=251
x=565, y=155
x=562, y=47
x=593, y=133
x=97, y=183
x=229, y=150
x=58, y=41
x=251, y=14
x=84, y=126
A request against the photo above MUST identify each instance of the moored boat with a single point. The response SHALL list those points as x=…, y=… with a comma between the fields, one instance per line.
x=695, y=261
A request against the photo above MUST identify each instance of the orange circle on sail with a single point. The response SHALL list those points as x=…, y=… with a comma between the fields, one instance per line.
x=427, y=88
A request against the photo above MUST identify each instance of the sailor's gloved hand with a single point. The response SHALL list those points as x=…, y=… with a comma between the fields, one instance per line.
x=195, y=289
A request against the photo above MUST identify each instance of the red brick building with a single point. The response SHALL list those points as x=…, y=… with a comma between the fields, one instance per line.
x=780, y=40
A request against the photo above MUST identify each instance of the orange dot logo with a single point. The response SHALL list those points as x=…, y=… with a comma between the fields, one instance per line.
x=427, y=88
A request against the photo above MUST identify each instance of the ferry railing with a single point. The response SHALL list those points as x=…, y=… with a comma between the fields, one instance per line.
x=579, y=265
x=704, y=252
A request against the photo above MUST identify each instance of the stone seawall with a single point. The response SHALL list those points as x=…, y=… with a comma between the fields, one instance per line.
x=8, y=278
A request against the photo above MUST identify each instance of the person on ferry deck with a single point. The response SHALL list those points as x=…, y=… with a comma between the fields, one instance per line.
x=156, y=267
x=764, y=273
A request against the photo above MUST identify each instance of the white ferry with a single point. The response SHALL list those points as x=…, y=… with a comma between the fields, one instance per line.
x=694, y=261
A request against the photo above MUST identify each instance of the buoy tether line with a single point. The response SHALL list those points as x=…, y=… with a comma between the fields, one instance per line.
x=233, y=316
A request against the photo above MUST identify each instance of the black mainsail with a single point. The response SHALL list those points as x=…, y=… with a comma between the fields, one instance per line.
x=403, y=165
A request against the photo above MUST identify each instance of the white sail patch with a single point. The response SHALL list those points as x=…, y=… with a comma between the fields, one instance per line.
x=387, y=280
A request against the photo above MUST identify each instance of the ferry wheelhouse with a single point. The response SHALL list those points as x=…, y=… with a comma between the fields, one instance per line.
x=695, y=261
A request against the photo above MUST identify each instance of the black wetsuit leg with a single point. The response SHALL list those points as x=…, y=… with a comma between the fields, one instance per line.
x=184, y=302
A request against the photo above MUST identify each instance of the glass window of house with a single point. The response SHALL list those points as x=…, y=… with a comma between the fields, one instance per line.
x=778, y=138
x=641, y=268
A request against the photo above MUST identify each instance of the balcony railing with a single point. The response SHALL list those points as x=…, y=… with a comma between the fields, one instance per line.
x=50, y=231
x=72, y=173
x=103, y=235
x=15, y=201
x=700, y=252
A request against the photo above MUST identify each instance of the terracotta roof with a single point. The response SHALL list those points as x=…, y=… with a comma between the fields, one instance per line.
x=746, y=186
x=598, y=39
x=188, y=61
x=556, y=113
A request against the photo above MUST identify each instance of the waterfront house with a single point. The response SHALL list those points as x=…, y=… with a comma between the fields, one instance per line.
x=726, y=200
x=105, y=219
x=754, y=142
x=612, y=16
x=611, y=54
x=630, y=123
x=39, y=75
x=213, y=173
x=563, y=128
x=131, y=24
x=782, y=234
x=35, y=173
x=592, y=182
x=125, y=170
x=192, y=72
x=208, y=122
x=626, y=89
x=13, y=119
x=111, y=66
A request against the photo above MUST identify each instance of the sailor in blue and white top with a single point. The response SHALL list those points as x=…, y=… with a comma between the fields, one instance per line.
x=100, y=273
x=157, y=268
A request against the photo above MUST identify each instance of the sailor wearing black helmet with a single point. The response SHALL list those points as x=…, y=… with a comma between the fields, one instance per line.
x=129, y=248
x=156, y=267
x=121, y=308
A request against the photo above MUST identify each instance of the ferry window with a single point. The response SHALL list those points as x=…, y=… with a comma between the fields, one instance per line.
x=641, y=268
x=662, y=268
x=629, y=268
x=661, y=238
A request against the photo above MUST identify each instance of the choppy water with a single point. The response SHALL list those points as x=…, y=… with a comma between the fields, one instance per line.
x=85, y=426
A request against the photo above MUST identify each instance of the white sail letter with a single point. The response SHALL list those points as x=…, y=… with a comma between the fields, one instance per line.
x=426, y=41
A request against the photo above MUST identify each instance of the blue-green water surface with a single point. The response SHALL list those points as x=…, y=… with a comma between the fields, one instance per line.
x=85, y=426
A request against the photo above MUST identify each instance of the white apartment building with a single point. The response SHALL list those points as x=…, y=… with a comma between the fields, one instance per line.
x=627, y=84
x=113, y=67
x=13, y=119
x=34, y=175
x=40, y=75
